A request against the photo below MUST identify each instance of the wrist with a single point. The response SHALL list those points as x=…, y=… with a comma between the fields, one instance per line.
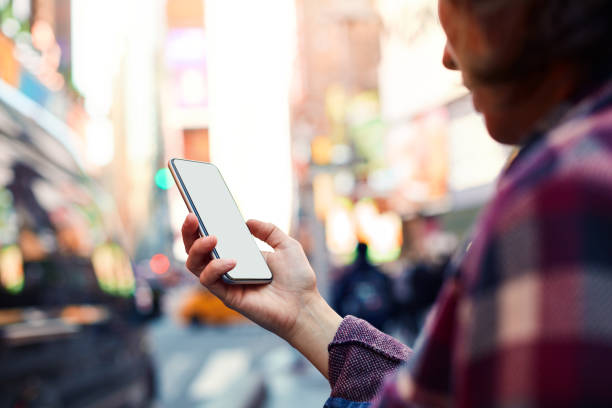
x=315, y=317
x=315, y=327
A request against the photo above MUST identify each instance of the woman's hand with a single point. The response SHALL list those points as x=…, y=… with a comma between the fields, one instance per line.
x=289, y=306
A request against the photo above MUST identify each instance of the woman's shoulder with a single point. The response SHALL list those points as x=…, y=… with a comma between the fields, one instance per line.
x=578, y=150
x=565, y=182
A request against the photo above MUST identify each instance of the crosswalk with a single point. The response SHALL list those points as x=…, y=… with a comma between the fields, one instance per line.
x=223, y=369
x=237, y=366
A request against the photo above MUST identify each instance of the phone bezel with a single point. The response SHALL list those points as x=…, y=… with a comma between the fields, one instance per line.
x=227, y=278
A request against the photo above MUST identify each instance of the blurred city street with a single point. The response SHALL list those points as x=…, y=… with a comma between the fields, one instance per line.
x=332, y=119
x=240, y=365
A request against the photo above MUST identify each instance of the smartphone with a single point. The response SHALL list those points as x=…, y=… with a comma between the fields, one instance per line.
x=207, y=196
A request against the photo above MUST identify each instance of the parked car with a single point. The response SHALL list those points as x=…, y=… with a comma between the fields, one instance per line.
x=71, y=334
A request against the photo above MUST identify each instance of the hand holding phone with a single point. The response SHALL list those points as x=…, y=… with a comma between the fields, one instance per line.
x=290, y=305
x=276, y=307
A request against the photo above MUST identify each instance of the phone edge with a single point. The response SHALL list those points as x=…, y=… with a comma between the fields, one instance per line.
x=187, y=200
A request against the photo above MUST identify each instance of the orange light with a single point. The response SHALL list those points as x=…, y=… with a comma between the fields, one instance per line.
x=159, y=264
x=321, y=150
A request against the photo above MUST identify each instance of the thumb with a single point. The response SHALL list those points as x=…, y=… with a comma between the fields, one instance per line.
x=269, y=233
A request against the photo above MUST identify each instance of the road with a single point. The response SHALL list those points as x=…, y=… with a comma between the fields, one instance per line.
x=231, y=366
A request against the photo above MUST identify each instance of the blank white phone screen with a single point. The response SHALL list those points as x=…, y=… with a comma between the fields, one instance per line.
x=214, y=204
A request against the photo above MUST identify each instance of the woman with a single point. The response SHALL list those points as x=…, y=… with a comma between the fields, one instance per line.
x=524, y=320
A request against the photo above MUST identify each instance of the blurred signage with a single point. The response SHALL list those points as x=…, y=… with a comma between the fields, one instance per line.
x=185, y=56
x=113, y=270
x=32, y=88
x=348, y=224
x=56, y=15
x=9, y=67
x=367, y=128
x=44, y=10
x=324, y=194
x=321, y=150
x=417, y=152
x=63, y=33
x=11, y=269
x=185, y=46
x=340, y=231
x=50, y=24
x=185, y=13
x=196, y=144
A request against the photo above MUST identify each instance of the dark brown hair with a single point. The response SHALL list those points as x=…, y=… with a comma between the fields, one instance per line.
x=578, y=32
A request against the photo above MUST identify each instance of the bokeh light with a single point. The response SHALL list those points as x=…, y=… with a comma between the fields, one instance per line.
x=159, y=264
x=163, y=179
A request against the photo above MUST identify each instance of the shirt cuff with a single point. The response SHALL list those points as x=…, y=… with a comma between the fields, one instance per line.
x=360, y=357
x=342, y=403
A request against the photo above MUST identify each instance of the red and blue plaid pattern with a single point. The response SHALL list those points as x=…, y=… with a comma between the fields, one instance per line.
x=527, y=319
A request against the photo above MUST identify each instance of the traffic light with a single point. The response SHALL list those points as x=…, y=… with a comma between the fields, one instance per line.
x=163, y=179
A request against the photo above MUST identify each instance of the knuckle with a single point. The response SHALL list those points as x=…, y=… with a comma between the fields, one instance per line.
x=202, y=246
x=204, y=278
x=194, y=263
x=185, y=227
x=189, y=265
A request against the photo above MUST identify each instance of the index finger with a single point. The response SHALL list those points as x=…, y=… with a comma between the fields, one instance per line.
x=190, y=231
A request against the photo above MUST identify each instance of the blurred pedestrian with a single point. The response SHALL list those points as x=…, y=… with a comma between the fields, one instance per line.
x=525, y=318
x=416, y=291
x=364, y=291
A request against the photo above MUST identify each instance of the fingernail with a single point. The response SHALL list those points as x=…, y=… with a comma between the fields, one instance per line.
x=229, y=263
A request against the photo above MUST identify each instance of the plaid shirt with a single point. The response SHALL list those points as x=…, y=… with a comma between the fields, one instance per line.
x=526, y=318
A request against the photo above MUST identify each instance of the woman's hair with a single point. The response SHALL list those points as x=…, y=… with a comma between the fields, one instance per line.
x=578, y=32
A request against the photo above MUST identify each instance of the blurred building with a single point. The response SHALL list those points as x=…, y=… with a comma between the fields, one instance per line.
x=35, y=51
x=383, y=133
x=332, y=118
x=440, y=156
x=338, y=52
x=185, y=110
x=335, y=76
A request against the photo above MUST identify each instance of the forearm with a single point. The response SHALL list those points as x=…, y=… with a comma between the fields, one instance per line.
x=314, y=330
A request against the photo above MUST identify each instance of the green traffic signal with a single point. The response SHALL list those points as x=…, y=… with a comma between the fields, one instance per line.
x=163, y=179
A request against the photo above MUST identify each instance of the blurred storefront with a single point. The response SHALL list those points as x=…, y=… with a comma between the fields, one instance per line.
x=384, y=135
x=336, y=127
x=440, y=155
x=118, y=47
x=91, y=70
x=333, y=119
x=35, y=58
